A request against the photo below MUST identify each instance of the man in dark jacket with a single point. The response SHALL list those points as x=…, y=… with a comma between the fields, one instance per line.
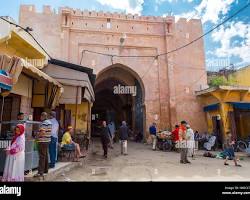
x=105, y=138
x=124, y=138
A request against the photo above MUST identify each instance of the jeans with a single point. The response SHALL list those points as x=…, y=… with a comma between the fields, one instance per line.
x=53, y=151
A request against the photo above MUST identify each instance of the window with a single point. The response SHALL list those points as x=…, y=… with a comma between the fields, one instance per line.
x=168, y=27
x=108, y=23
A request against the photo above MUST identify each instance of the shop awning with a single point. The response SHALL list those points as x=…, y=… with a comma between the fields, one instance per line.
x=71, y=79
x=40, y=73
x=239, y=105
x=15, y=65
x=211, y=107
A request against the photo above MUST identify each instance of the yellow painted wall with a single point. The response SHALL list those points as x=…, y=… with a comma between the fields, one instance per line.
x=242, y=76
x=82, y=115
x=10, y=51
x=209, y=116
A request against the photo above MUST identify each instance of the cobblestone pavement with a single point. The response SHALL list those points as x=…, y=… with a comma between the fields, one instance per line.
x=143, y=164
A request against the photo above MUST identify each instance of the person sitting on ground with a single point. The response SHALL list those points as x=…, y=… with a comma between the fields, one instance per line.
x=69, y=144
x=229, y=150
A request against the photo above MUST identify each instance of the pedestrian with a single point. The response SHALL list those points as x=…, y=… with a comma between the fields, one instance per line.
x=152, y=131
x=190, y=141
x=183, y=142
x=229, y=150
x=105, y=138
x=15, y=160
x=68, y=144
x=175, y=133
x=20, y=116
x=54, y=139
x=43, y=139
x=124, y=138
x=111, y=127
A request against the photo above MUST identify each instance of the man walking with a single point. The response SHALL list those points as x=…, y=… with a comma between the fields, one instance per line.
x=183, y=142
x=124, y=138
x=111, y=127
x=152, y=131
x=54, y=139
x=43, y=139
x=105, y=138
x=190, y=141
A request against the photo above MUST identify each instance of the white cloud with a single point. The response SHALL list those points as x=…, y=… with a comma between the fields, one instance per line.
x=211, y=10
x=131, y=6
x=208, y=10
x=224, y=36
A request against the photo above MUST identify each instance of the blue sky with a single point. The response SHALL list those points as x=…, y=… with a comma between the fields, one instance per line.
x=229, y=44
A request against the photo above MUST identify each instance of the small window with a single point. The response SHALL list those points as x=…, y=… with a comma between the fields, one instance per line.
x=66, y=20
x=108, y=23
x=117, y=26
x=169, y=28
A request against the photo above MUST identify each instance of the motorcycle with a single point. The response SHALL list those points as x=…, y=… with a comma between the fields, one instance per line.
x=164, y=141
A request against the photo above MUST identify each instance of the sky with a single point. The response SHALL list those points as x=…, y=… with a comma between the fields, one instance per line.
x=227, y=45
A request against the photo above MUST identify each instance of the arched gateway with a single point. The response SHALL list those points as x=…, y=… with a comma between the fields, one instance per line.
x=120, y=95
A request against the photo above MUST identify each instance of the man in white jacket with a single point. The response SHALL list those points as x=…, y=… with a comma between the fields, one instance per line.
x=190, y=141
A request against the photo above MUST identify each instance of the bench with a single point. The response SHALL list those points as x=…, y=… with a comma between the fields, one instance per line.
x=67, y=154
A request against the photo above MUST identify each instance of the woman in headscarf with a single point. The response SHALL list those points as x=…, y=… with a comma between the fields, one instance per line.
x=15, y=160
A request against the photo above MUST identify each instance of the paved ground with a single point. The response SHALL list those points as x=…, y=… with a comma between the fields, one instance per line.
x=143, y=164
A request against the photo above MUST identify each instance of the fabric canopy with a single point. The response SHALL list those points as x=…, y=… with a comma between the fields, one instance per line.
x=211, y=107
x=239, y=105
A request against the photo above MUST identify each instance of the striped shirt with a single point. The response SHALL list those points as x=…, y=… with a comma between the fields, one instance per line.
x=45, y=131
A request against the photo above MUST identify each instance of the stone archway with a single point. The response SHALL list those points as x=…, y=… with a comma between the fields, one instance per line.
x=112, y=106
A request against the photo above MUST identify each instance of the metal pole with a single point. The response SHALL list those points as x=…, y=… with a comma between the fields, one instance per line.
x=2, y=115
x=76, y=110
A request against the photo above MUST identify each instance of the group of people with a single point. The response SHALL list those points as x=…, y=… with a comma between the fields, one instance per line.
x=47, y=141
x=108, y=134
x=185, y=140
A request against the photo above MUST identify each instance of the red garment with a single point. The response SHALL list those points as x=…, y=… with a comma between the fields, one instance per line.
x=176, y=134
x=21, y=128
x=182, y=132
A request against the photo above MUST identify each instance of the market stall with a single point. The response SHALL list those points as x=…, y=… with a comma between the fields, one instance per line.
x=31, y=153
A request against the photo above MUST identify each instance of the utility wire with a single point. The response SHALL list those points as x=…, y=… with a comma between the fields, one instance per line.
x=177, y=49
x=27, y=31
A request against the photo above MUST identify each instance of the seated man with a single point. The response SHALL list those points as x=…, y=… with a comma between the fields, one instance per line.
x=69, y=144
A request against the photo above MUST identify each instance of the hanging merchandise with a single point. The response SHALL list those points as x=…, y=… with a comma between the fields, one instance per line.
x=5, y=81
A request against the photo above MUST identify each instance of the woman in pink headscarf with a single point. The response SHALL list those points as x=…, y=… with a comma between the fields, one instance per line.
x=15, y=160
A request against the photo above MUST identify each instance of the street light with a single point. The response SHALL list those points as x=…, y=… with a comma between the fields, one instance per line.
x=122, y=39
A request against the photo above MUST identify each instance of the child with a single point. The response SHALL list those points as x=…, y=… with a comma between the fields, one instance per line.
x=229, y=150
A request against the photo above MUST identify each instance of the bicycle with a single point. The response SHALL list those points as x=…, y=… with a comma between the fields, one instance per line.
x=241, y=145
